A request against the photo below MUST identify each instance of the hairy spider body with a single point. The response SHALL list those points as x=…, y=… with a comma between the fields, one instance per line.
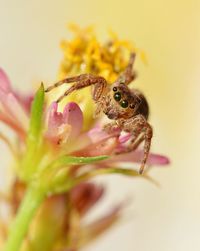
x=127, y=107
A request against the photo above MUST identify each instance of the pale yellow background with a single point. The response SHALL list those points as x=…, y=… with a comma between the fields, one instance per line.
x=169, y=31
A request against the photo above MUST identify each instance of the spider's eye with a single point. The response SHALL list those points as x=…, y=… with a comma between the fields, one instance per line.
x=115, y=89
x=132, y=106
x=117, y=96
x=124, y=103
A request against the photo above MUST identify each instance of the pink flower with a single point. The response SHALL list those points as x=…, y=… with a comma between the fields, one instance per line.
x=66, y=126
x=13, y=107
x=54, y=147
x=65, y=129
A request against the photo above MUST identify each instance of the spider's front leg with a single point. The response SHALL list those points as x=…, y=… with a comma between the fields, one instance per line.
x=141, y=131
x=80, y=82
x=128, y=75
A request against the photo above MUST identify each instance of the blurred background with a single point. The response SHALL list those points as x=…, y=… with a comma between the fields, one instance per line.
x=166, y=218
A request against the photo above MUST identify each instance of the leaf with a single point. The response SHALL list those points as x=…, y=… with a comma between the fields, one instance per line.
x=33, y=152
x=57, y=179
x=113, y=170
x=94, y=173
x=71, y=160
x=109, y=170
x=36, y=116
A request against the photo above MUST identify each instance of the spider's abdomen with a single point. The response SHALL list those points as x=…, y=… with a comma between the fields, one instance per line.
x=143, y=108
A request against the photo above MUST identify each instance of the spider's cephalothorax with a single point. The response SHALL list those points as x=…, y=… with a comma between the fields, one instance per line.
x=121, y=102
x=127, y=107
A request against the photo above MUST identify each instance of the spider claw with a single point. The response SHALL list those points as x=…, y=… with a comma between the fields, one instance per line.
x=141, y=170
x=132, y=58
x=59, y=99
x=48, y=89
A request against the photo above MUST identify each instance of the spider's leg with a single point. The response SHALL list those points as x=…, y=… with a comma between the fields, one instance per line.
x=84, y=81
x=139, y=126
x=129, y=74
x=135, y=144
x=137, y=138
x=147, y=144
x=69, y=80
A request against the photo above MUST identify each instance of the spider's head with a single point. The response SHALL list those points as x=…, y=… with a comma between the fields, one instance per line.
x=121, y=102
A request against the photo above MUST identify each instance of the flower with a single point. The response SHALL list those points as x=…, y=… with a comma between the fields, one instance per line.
x=65, y=130
x=66, y=126
x=85, y=53
x=14, y=108
x=59, y=150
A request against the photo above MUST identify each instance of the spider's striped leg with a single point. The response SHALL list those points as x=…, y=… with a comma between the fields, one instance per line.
x=68, y=80
x=129, y=74
x=141, y=131
x=84, y=81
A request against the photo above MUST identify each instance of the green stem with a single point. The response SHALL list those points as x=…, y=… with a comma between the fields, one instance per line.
x=32, y=200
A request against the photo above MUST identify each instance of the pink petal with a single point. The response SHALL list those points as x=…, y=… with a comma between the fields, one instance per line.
x=4, y=82
x=25, y=100
x=73, y=116
x=3, y=96
x=92, y=230
x=7, y=120
x=81, y=142
x=13, y=109
x=66, y=126
x=97, y=134
x=104, y=147
x=85, y=195
x=88, y=143
x=100, y=143
x=124, y=138
x=55, y=119
x=58, y=132
x=156, y=159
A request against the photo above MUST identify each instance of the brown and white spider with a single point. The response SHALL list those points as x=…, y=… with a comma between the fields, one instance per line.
x=127, y=107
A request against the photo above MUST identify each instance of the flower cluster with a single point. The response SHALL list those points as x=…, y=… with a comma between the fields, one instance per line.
x=57, y=153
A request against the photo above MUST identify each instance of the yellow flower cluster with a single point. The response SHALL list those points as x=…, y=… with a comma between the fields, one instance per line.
x=84, y=53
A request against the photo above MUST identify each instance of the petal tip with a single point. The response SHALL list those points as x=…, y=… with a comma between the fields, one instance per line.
x=54, y=105
x=71, y=106
x=159, y=159
x=4, y=81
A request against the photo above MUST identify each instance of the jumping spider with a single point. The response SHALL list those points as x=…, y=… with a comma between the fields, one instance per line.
x=127, y=107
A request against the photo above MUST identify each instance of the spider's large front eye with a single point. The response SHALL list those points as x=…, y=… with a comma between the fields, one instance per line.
x=117, y=96
x=124, y=103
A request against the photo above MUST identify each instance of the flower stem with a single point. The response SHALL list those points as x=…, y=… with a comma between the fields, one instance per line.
x=32, y=200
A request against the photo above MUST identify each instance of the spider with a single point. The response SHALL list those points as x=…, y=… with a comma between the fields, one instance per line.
x=127, y=107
